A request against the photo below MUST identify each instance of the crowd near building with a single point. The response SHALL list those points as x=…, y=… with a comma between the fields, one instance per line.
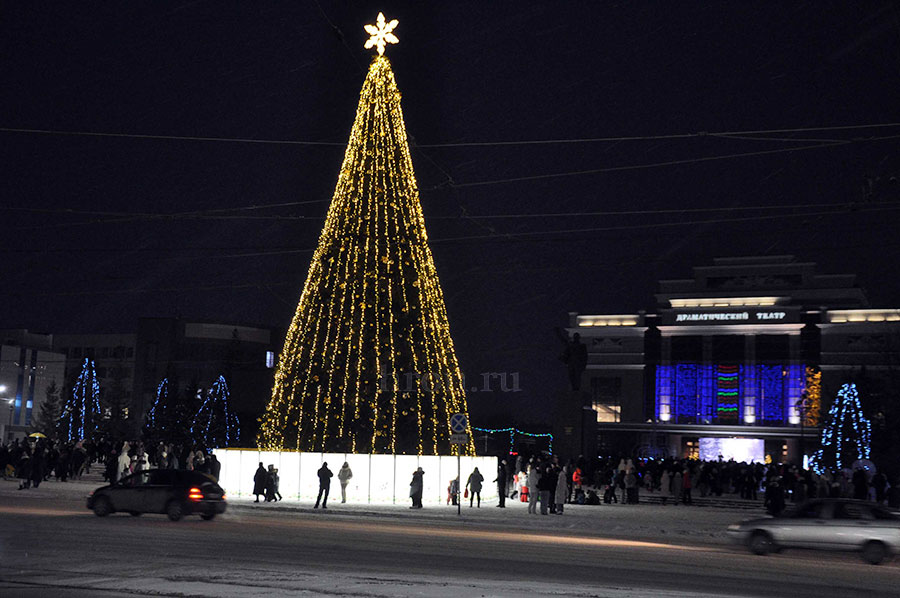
x=739, y=361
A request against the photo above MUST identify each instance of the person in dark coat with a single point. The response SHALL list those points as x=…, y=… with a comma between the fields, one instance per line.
x=501, y=483
x=37, y=467
x=214, y=467
x=259, y=482
x=112, y=462
x=324, y=485
x=774, y=502
x=416, y=487
x=474, y=484
x=270, y=484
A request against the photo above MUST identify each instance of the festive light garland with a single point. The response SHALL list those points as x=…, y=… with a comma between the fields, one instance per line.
x=846, y=407
x=371, y=317
x=83, y=408
x=512, y=436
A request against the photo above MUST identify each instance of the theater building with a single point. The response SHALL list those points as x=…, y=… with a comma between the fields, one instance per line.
x=742, y=360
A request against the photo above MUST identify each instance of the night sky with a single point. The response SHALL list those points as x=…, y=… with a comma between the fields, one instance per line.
x=101, y=230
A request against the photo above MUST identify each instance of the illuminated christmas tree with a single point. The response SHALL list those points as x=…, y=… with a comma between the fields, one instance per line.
x=81, y=414
x=216, y=423
x=847, y=434
x=368, y=364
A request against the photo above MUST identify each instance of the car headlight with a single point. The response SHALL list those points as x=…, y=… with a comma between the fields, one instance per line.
x=734, y=527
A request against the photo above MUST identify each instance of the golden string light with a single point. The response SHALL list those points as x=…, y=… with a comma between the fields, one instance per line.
x=371, y=319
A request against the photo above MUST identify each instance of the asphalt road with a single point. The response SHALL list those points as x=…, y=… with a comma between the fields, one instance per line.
x=54, y=546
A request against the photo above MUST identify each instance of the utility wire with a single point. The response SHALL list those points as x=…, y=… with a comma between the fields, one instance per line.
x=210, y=215
x=734, y=134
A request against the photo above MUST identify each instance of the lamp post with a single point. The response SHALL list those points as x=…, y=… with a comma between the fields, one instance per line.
x=11, y=405
x=802, y=406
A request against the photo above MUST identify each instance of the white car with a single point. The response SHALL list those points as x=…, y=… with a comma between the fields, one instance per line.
x=826, y=524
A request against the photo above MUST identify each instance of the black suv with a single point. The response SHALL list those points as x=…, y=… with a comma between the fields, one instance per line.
x=174, y=492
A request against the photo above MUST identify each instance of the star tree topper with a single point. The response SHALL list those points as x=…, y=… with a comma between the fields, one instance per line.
x=381, y=34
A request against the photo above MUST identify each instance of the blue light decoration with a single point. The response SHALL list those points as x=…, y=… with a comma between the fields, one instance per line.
x=512, y=436
x=665, y=390
x=83, y=408
x=728, y=394
x=771, y=392
x=215, y=423
x=155, y=418
x=835, y=453
x=686, y=392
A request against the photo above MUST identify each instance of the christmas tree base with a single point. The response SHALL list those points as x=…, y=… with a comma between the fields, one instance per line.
x=377, y=479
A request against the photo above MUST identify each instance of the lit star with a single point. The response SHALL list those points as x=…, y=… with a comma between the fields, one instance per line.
x=381, y=34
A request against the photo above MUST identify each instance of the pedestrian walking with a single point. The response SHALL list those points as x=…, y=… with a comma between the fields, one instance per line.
x=545, y=484
x=534, y=477
x=259, y=482
x=215, y=467
x=473, y=484
x=453, y=491
x=270, y=483
x=501, y=483
x=416, y=486
x=344, y=475
x=276, y=481
x=325, y=476
x=562, y=491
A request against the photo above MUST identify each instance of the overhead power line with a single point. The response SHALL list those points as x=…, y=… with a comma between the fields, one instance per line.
x=698, y=134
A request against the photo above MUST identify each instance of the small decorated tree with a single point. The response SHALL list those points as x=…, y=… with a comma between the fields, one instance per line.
x=847, y=434
x=216, y=423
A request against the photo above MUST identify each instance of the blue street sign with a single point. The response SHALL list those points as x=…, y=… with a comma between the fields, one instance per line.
x=459, y=423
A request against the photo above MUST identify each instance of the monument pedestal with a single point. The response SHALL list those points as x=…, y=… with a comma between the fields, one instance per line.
x=575, y=426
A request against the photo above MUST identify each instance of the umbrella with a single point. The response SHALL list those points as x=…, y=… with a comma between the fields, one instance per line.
x=36, y=435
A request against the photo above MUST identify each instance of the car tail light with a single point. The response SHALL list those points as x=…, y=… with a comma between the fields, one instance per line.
x=195, y=494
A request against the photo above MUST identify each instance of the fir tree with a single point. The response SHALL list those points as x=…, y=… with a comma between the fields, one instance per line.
x=368, y=363
x=47, y=421
x=847, y=434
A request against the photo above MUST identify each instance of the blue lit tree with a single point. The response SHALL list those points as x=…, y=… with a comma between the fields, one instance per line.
x=847, y=434
x=158, y=418
x=216, y=423
x=81, y=414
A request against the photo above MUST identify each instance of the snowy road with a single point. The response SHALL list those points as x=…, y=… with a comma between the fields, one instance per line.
x=51, y=545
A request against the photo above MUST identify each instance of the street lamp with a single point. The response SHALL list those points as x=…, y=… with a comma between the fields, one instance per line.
x=11, y=402
x=802, y=407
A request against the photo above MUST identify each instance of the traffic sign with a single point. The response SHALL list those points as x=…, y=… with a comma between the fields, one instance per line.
x=459, y=439
x=459, y=423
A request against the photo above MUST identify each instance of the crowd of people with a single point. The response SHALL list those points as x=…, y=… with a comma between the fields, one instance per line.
x=36, y=460
x=545, y=482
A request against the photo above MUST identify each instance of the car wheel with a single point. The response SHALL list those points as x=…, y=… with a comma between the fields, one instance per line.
x=102, y=506
x=174, y=510
x=207, y=516
x=874, y=552
x=762, y=543
x=135, y=513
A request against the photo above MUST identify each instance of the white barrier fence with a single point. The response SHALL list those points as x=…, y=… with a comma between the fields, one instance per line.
x=377, y=479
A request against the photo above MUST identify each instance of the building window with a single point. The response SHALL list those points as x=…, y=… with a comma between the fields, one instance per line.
x=692, y=449
x=606, y=399
x=103, y=352
x=129, y=352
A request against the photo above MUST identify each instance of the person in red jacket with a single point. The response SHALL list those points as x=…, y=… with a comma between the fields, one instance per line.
x=577, y=480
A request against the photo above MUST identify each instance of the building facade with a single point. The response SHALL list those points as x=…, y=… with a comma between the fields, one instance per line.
x=734, y=362
x=28, y=366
